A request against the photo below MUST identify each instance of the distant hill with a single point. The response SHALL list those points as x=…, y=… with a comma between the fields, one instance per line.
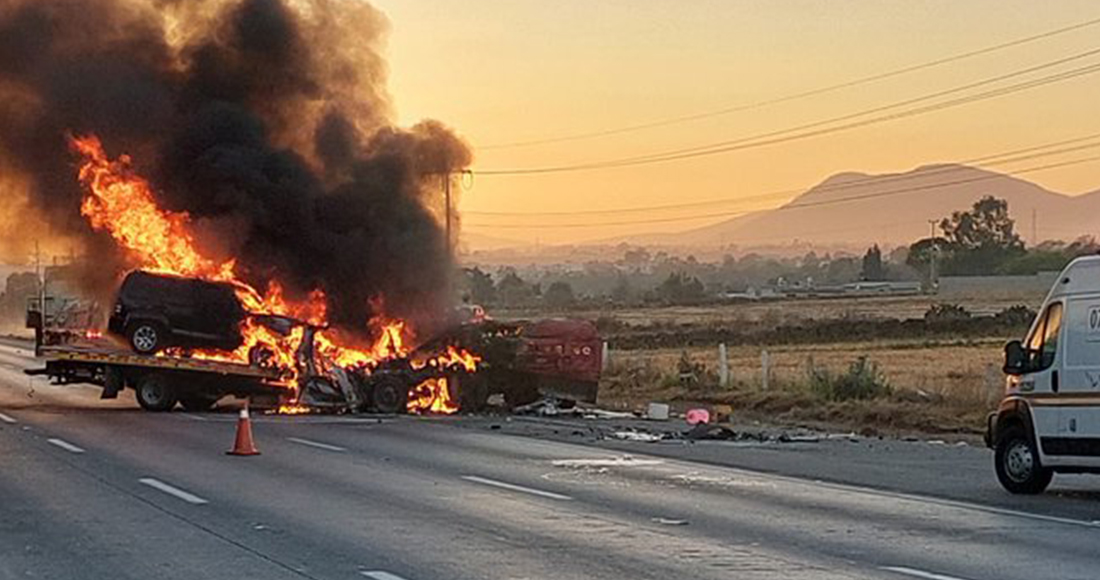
x=855, y=209
x=472, y=242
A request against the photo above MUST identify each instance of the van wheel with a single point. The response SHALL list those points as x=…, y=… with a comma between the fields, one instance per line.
x=145, y=337
x=155, y=393
x=1017, y=463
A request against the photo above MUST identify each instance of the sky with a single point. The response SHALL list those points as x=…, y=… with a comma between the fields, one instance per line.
x=502, y=72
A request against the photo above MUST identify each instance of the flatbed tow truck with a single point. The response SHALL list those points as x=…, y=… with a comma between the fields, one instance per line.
x=160, y=381
x=559, y=358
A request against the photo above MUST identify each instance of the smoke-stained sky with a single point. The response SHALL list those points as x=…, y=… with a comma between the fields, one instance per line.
x=268, y=121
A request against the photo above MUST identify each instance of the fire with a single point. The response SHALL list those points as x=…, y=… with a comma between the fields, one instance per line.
x=432, y=396
x=122, y=203
x=292, y=410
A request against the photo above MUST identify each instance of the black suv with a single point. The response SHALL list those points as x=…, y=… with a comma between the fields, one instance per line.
x=155, y=311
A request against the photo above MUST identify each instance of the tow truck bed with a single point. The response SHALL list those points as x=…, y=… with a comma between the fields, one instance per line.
x=160, y=381
x=105, y=355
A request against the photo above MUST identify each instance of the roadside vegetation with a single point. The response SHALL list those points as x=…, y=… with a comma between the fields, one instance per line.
x=890, y=387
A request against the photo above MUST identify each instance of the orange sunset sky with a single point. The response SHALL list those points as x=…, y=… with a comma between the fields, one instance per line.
x=510, y=71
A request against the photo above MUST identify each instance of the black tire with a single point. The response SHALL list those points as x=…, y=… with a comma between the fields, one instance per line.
x=389, y=395
x=198, y=403
x=1016, y=460
x=155, y=393
x=146, y=337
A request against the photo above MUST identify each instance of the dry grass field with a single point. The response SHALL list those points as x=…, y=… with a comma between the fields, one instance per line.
x=945, y=384
x=935, y=387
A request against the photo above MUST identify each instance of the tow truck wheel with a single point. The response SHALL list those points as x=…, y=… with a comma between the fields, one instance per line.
x=155, y=393
x=145, y=337
x=1017, y=463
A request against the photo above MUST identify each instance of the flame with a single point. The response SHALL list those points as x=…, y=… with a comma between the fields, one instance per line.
x=432, y=396
x=121, y=202
x=391, y=343
x=292, y=410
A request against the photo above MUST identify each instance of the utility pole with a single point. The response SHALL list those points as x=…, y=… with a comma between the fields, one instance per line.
x=932, y=275
x=447, y=201
x=40, y=277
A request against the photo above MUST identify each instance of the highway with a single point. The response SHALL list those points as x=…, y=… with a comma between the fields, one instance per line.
x=96, y=489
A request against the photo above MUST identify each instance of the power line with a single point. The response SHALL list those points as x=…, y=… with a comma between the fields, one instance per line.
x=793, y=206
x=793, y=134
x=800, y=95
x=990, y=159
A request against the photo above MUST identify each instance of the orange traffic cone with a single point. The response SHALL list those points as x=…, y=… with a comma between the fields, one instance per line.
x=244, y=444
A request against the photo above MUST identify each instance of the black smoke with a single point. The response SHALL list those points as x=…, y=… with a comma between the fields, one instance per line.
x=266, y=120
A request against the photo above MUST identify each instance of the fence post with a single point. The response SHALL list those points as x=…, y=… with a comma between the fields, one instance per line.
x=605, y=357
x=765, y=369
x=723, y=365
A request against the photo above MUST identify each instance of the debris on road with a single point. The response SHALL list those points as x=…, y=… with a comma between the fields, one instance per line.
x=551, y=406
x=618, y=461
x=646, y=437
x=697, y=416
x=669, y=522
x=657, y=411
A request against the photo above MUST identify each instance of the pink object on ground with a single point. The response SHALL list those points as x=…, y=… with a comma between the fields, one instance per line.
x=696, y=416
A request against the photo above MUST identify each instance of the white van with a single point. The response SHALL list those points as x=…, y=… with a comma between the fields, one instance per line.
x=1049, y=419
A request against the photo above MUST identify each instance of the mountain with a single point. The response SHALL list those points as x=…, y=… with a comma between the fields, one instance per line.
x=856, y=209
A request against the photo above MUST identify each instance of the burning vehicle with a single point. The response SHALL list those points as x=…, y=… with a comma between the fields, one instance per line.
x=156, y=311
x=242, y=158
x=162, y=319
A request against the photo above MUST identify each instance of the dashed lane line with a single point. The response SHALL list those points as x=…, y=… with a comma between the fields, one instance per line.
x=380, y=575
x=514, y=487
x=315, y=444
x=174, y=491
x=65, y=445
x=913, y=572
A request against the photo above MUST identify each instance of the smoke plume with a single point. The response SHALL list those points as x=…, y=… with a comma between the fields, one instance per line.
x=266, y=120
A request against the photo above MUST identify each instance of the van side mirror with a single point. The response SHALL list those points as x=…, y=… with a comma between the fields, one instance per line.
x=1015, y=358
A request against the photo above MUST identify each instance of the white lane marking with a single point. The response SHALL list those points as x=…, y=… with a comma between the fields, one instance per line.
x=65, y=445
x=514, y=487
x=194, y=417
x=185, y=496
x=919, y=573
x=380, y=575
x=7, y=418
x=316, y=444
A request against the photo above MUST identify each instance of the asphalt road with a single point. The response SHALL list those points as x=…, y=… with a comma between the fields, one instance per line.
x=92, y=489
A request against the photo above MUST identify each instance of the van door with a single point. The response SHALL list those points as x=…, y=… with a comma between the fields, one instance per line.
x=1042, y=385
x=1078, y=434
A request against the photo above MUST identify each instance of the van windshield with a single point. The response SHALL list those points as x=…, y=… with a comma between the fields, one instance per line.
x=1042, y=343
